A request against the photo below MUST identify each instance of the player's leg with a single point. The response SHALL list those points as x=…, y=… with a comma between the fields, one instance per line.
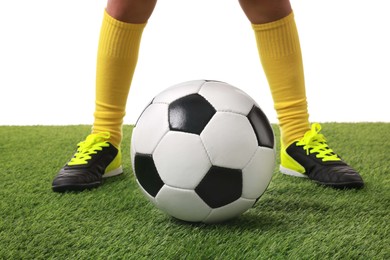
x=120, y=36
x=131, y=11
x=304, y=151
x=99, y=154
x=280, y=54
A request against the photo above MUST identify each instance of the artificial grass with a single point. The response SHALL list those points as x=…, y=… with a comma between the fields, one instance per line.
x=294, y=219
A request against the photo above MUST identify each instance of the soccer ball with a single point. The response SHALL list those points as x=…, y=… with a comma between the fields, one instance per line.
x=203, y=151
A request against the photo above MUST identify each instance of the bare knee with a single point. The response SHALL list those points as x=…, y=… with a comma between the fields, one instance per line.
x=265, y=11
x=131, y=11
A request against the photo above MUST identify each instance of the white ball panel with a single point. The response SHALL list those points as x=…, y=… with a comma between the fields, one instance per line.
x=178, y=91
x=181, y=160
x=230, y=211
x=229, y=140
x=258, y=173
x=182, y=204
x=150, y=128
x=225, y=97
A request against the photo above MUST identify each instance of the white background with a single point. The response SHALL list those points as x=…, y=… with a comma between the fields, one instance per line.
x=48, y=50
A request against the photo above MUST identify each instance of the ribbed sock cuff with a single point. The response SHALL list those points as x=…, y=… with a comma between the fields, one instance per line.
x=118, y=39
x=278, y=38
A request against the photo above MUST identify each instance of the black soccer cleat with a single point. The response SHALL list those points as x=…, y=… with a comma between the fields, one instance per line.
x=311, y=157
x=94, y=160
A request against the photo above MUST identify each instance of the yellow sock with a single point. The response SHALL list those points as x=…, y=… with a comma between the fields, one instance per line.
x=281, y=58
x=117, y=58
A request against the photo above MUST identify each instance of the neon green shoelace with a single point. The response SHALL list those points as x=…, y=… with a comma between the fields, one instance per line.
x=314, y=142
x=92, y=144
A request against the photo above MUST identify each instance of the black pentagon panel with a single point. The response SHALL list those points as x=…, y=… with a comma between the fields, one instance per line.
x=262, y=127
x=190, y=114
x=146, y=173
x=220, y=186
